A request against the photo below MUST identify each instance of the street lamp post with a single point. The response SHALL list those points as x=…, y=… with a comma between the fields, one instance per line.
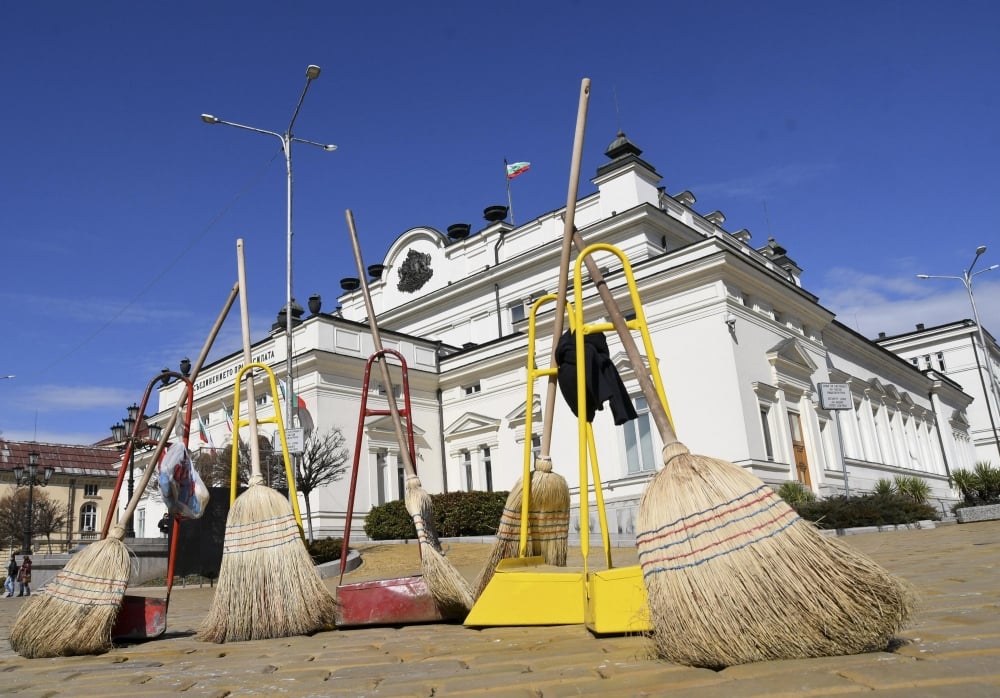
x=966, y=278
x=286, y=138
x=28, y=478
x=126, y=434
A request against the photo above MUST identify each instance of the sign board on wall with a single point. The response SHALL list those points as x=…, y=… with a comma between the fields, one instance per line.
x=835, y=396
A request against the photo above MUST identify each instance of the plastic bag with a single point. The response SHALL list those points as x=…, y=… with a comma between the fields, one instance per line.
x=182, y=488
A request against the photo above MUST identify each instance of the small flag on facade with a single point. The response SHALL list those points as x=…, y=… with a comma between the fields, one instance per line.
x=517, y=168
x=229, y=418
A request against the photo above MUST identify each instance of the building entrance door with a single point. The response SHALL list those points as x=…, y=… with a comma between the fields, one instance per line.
x=799, y=449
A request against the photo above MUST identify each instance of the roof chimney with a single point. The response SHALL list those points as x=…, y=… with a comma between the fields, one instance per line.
x=920, y=327
x=881, y=335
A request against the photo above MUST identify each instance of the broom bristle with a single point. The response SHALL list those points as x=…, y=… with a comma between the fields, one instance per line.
x=76, y=611
x=508, y=539
x=549, y=514
x=451, y=591
x=268, y=586
x=733, y=575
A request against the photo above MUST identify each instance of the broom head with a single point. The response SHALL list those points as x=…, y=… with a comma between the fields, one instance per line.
x=76, y=611
x=548, y=518
x=268, y=586
x=733, y=575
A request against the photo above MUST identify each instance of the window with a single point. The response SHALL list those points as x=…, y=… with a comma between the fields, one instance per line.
x=140, y=523
x=639, y=440
x=467, y=469
x=380, y=473
x=88, y=517
x=484, y=453
x=940, y=361
x=765, y=425
x=517, y=312
x=90, y=490
x=262, y=399
x=473, y=389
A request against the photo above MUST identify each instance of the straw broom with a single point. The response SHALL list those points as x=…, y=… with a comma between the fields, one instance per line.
x=268, y=586
x=76, y=611
x=732, y=574
x=446, y=584
x=549, y=501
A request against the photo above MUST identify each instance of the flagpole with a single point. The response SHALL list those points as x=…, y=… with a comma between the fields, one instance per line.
x=510, y=203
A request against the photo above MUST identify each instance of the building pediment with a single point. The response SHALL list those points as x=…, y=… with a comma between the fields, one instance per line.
x=519, y=416
x=471, y=423
x=384, y=425
x=791, y=365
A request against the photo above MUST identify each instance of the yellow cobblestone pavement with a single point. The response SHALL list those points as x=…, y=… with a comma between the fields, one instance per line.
x=950, y=648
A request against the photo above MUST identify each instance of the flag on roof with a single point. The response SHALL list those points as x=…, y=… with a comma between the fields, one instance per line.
x=517, y=168
x=229, y=418
x=203, y=432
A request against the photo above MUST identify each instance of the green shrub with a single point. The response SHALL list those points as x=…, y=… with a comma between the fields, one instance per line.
x=389, y=521
x=866, y=510
x=455, y=514
x=795, y=492
x=884, y=488
x=913, y=487
x=325, y=550
x=979, y=486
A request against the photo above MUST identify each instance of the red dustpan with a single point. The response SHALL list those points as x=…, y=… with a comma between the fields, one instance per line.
x=399, y=601
x=145, y=617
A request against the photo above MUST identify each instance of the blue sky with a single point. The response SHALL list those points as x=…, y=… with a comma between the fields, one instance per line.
x=864, y=136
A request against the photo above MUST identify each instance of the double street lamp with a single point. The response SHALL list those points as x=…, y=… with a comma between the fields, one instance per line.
x=286, y=138
x=28, y=477
x=127, y=435
x=966, y=278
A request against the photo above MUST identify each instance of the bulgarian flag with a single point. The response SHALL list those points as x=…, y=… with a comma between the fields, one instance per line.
x=517, y=168
x=203, y=433
x=298, y=398
x=229, y=418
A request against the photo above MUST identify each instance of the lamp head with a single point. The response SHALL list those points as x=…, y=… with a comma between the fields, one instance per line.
x=209, y=119
x=980, y=250
x=312, y=72
x=328, y=148
x=923, y=276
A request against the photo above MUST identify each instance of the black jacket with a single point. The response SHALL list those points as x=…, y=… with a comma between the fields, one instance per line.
x=603, y=382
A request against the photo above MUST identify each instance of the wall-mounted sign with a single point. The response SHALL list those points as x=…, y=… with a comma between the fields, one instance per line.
x=835, y=396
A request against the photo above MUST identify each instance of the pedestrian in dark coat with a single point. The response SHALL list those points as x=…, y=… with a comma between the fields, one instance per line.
x=24, y=578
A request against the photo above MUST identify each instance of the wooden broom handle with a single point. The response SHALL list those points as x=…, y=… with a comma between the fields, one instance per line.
x=161, y=445
x=248, y=359
x=667, y=433
x=383, y=365
x=568, y=228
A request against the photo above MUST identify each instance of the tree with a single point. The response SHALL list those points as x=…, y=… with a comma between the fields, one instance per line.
x=323, y=460
x=215, y=467
x=48, y=516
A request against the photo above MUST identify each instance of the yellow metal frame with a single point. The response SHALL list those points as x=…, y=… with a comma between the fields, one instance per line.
x=276, y=419
x=526, y=591
x=616, y=599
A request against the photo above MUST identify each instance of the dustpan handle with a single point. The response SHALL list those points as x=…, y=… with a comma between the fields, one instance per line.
x=564, y=257
x=667, y=433
x=383, y=365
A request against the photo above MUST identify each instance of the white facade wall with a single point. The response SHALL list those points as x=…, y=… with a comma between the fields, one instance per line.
x=733, y=331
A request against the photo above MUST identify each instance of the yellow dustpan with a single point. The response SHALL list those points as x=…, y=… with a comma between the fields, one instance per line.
x=524, y=590
x=616, y=597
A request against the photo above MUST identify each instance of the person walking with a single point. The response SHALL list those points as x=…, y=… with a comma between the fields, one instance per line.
x=24, y=578
x=12, y=568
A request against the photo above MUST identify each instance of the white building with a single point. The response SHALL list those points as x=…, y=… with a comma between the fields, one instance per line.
x=742, y=347
x=954, y=350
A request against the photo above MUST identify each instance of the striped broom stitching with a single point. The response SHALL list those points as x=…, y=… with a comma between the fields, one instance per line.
x=542, y=525
x=253, y=536
x=761, y=531
x=85, y=590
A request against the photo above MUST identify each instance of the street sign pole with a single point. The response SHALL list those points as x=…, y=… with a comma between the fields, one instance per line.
x=837, y=397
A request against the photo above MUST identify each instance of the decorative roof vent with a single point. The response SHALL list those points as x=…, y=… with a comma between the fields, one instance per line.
x=715, y=218
x=743, y=235
x=350, y=283
x=494, y=214
x=459, y=231
x=375, y=270
x=315, y=303
x=686, y=198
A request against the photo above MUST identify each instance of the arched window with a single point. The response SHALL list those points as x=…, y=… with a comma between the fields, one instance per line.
x=88, y=517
